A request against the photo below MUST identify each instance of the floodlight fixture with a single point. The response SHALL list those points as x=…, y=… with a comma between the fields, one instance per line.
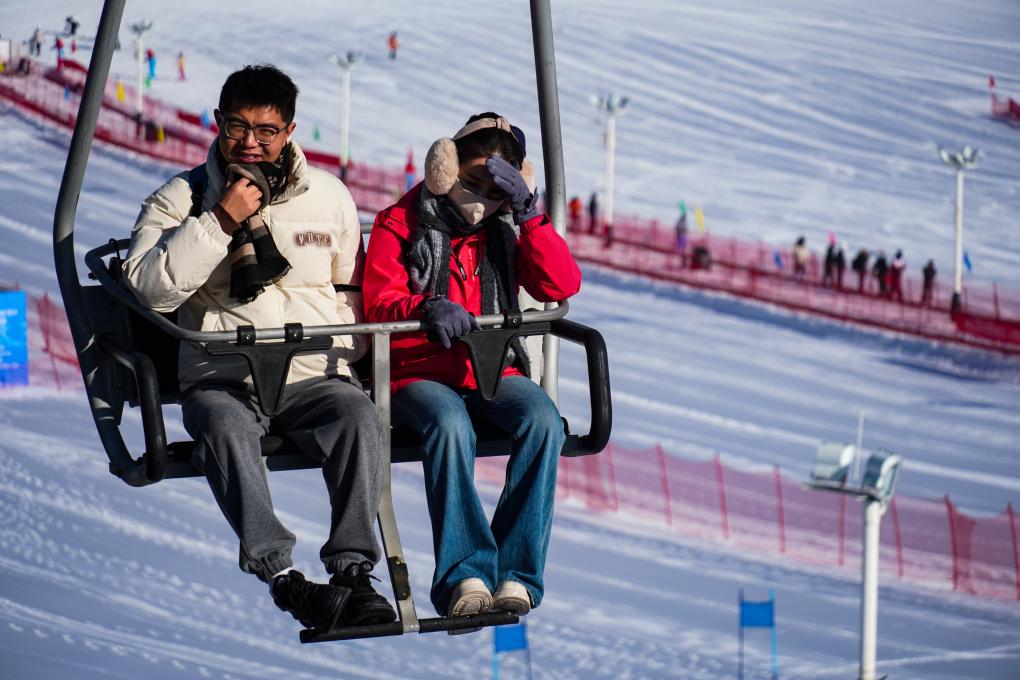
x=880, y=475
x=140, y=27
x=832, y=464
x=964, y=159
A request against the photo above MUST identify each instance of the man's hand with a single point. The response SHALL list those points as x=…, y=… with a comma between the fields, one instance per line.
x=240, y=201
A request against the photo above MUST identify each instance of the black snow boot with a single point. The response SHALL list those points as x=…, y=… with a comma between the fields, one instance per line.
x=315, y=605
x=365, y=606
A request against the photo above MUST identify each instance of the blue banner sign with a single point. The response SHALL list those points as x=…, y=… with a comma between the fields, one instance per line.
x=13, y=338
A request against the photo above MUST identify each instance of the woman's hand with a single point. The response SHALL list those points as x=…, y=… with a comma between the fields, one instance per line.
x=509, y=179
x=447, y=320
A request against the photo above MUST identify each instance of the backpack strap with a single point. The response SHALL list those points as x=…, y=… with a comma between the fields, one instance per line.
x=198, y=180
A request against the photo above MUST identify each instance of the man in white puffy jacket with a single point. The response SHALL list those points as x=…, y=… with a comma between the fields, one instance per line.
x=273, y=241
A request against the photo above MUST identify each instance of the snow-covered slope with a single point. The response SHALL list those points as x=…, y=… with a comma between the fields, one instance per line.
x=798, y=117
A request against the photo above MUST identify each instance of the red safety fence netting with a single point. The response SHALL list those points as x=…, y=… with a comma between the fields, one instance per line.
x=924, y=541
x=755, y=270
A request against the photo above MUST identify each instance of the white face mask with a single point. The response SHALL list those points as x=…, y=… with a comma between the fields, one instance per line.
x=472, y=207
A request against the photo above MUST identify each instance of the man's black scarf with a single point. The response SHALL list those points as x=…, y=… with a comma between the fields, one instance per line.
x=428, y=258
x=255, y=261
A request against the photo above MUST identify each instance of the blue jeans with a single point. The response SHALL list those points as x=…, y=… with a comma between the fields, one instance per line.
x=513, y=546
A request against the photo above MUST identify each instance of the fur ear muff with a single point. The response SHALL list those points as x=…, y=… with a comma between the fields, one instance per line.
x=528, y=173
x=441, y=166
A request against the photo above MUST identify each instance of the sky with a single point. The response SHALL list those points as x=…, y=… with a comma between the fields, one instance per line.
x=778, y=118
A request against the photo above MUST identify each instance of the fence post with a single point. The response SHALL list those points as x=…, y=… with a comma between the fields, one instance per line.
x=952, y=542
x=1016, y=549
x=665, y=484
x=841, y=531
x=563, y=476
x=779, y=510
x=724, y=514
x=899, y=538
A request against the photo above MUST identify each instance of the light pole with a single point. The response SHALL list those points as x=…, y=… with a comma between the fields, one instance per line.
x=964, y=159
x=613, y=105
x=832, y=472
x=346, y=64
x=139, y=28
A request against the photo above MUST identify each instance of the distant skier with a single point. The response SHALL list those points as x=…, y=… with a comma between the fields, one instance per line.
x=840, y=264
x=180, y=66
x=593, y=212
x=71, y=24
x=880, y=270
x=829, y=266
x=899, y=265
x=860, y=265
x=36, y=42
x=58, y=45
x=393, y=44
x=680, y=235
x=575, y=207
x=150, y=57
x=800, y=257
x=929, y=282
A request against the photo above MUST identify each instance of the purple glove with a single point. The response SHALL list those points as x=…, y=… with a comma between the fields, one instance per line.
x=447, y=320
x=508, y=178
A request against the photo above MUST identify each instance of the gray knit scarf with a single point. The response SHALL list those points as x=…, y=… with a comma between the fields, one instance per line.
x=428, y=258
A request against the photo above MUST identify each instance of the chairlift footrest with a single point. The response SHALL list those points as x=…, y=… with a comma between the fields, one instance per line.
x=432, y=625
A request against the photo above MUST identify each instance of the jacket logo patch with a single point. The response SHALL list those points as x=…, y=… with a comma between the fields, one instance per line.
x=313, y=238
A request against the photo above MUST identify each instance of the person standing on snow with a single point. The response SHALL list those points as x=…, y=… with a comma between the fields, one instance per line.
x=180, y=66
x=274, y=241
x=829, y=266
x=860, y=265
x=58, y=45
x=575, y=208
x=459, y=244
x=680, y=235
x=880, y=270
x=37, y=42
x=393, y=44
x=899, y=265
x=929, y=282
x=593, y=213
x=800, y=257
x=840, y=264
x=150, y=57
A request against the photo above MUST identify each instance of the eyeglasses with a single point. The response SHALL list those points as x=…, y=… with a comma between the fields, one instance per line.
x=264, y=134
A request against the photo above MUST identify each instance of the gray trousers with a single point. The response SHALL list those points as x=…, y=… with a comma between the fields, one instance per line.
x=330, y=420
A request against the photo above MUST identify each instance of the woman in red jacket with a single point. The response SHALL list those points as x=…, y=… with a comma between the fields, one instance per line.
x=460, y=244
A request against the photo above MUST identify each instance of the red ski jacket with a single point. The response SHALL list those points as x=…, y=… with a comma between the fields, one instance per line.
x=544, y=266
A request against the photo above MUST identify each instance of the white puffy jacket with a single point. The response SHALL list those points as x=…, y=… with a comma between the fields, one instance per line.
x=180, y=262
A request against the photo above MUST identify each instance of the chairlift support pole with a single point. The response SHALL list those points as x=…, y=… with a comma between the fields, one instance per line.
x=63, y=238
x=552, y=154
